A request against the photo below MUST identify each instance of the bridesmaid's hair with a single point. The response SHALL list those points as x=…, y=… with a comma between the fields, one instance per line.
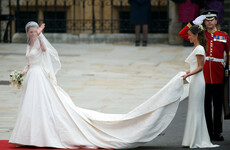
x=198, y=29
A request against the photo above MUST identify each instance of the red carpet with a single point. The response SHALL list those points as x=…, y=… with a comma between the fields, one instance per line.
x=4, y=145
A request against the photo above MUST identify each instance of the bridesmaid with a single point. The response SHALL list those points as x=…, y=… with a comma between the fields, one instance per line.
x=196, y=133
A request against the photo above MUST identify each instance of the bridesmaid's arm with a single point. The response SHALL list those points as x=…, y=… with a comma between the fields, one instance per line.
x=200, y=62
x=184, y=32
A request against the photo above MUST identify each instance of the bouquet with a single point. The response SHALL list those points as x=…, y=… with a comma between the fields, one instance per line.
x=16, y=79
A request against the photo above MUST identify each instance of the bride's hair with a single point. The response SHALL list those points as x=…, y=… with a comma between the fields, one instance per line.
x=198, y=29
x=29, y=25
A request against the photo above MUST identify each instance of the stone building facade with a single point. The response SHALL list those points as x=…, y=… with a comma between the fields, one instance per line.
x=83, y=19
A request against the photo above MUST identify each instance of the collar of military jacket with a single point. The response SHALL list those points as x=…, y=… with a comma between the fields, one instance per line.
x=212, y=31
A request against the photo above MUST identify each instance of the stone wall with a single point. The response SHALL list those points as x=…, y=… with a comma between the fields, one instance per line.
x=93, y=38
x=174, y=25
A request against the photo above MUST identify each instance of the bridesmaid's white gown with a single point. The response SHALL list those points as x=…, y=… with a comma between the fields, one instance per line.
x=196, y=133
x=47, y=116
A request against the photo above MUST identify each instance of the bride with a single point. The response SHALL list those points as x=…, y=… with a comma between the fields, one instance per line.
x=47, y=117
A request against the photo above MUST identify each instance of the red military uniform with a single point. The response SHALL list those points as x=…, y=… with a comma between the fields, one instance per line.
x=217, y=43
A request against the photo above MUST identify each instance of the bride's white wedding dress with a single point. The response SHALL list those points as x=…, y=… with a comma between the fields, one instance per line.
x=47, y=117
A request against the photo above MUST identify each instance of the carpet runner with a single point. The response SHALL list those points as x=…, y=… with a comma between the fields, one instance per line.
x=5, y=145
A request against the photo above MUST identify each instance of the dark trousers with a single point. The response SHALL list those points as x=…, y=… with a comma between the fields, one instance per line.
x=213, y=108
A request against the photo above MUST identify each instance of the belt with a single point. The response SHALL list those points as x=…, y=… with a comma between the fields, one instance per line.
x=215, y=60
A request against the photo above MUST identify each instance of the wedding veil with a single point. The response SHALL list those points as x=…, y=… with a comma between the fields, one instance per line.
x=50, y=58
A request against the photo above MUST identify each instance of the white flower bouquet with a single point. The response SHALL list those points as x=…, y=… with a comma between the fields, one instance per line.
x=16, y=79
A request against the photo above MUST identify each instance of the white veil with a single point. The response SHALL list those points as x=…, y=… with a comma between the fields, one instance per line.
x=50, y=58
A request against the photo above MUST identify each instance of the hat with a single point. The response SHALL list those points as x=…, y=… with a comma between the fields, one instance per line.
x=210, y=14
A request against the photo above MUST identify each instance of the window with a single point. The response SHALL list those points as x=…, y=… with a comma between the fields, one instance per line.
x=55, y=22
x=22, y=18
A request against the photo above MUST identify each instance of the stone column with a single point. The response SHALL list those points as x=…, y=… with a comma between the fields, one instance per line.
x=4, y=11
x=174, y=25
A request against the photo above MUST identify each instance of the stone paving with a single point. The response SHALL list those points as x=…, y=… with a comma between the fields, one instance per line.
x=111, y=78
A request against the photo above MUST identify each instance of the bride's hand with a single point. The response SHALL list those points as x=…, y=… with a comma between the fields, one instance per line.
x=40, y=29
x=22, y=73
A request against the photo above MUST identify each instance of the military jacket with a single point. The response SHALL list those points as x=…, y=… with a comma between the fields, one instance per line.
x=217, y=44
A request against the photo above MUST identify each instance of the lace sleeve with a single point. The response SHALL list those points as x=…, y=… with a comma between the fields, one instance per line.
x=50, y=59
x=42, y=43
x=26, y=68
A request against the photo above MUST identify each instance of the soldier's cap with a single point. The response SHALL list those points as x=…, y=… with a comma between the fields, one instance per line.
x=210, y=14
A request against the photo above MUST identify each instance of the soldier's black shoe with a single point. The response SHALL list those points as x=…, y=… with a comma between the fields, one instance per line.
x=218, y=137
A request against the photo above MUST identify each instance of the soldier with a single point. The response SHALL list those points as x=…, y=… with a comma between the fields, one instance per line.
x=214, y=68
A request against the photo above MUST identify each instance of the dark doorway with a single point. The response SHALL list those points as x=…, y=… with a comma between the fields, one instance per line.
x=55, y=22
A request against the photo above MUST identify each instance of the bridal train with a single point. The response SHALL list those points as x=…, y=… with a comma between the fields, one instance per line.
x=47, y=116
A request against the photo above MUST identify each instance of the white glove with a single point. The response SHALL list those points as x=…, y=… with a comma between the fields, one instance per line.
x=199, y=20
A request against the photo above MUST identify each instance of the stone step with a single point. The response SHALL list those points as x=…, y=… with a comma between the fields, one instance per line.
x=93, y=38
